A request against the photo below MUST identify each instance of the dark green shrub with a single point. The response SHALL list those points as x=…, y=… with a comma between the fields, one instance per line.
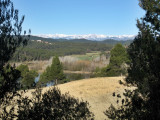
x=53, y=105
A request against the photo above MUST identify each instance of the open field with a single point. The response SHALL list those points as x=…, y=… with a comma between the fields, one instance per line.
x=87, y=56
x=97, y=91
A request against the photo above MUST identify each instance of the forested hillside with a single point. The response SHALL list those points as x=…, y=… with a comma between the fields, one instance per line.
x=43, y=51
x=39, y=48
x=113, y=42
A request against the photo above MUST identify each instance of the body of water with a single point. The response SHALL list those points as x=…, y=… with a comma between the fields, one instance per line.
x=48, y=84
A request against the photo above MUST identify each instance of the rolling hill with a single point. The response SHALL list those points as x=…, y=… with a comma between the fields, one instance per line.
x=97, y=91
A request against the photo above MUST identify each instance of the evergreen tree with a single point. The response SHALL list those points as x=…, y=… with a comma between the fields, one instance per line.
x=8, y=80
x=144, y=71
x=54, y=72
x=57, y=70
x=118, y=61
x=46, y=76
x=23, y=69
x=27, y=76
x=10, y=39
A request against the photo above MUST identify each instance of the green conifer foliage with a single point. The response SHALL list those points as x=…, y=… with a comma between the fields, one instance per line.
x=57, y=69
x=27, y=76
x=53, y=73
x=10, y=39
x=118, y=60
x=144, y=72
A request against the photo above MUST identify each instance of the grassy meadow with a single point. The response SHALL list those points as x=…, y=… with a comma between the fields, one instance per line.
x=88, y=56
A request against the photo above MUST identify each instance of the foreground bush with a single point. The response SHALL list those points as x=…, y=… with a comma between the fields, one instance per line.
x=53, y=105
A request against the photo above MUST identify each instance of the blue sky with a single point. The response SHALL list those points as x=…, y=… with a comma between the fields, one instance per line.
x=109, y=17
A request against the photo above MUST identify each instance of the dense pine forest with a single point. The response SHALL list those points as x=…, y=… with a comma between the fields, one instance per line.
x=39, y=48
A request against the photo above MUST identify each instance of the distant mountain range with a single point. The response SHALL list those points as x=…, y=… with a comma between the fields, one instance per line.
x=93, y=37
x=106, y=41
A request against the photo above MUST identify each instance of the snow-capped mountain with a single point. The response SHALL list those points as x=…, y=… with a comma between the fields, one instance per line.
x=88, y=37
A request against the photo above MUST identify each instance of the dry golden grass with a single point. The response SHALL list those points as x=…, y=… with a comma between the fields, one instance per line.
x=97, y=91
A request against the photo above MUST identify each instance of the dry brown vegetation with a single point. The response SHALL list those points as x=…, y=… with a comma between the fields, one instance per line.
x=39, y=66
x=72, y=63
x=80, y=65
